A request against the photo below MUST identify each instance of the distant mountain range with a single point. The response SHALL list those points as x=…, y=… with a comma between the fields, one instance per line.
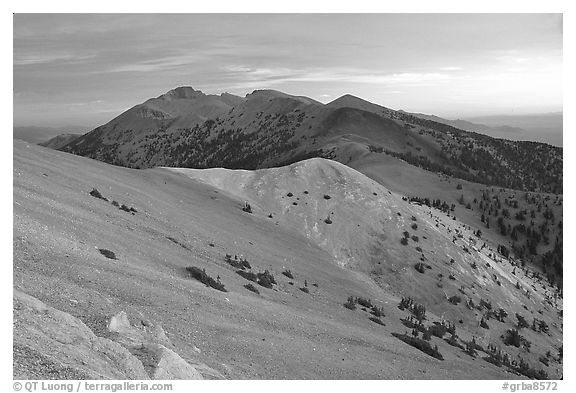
x=60, y=141
x=36, y=135
x=545, y=128
x=267, y=128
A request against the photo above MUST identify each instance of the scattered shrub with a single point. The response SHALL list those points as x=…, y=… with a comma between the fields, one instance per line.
x=252, y=288
x=377, y=312
x=96, y=194
x=426, y=335
x=451, y=328
x=364, y=302
x=204, y=278
x=420, y=267
x=453, y=340
x=266, y=279
x=455, y=299
x=540, y=326
x=405, y=302
x=289, y=195
x=524, y=368
x=420, y=344
x=125, y=208
x=500, y=315
x=404, y=241
x=415, y=238
x=470, y=350
x=176, y=241
x=495, y=360
x=485, y=304
x=248, y=275
x=237, y=263
x=247, y=208
x=414, y=226
x=327, y=196
x=522, y=323
x=484, y=324
x=438, y=329
x=114, y=203
x=412, y=323
x=288, y=273
x=304, y=289
x=350, y=303
x=377, y=320
x=513, y=338
x=107, y=253
x=328, y=220
x=418, y=310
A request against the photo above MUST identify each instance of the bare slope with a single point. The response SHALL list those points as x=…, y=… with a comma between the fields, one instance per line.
x=361, y=224
x=284, y=332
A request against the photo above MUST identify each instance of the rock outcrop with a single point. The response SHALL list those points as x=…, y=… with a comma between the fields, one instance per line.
x=49, y=343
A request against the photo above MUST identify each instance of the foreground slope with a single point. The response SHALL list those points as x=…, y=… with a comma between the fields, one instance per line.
x=283, y=332
x=361, y=224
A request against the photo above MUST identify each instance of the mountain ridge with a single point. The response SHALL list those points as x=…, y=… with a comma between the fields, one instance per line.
x=274, y=128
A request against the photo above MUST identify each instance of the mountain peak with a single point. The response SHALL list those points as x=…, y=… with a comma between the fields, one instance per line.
x=350, y=101
x=271, y=94
x=346, y=98
x=183, y=92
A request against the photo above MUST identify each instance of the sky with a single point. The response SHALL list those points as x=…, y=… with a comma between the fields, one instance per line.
x=85, y=69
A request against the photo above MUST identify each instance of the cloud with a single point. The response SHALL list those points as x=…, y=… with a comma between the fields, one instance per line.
x=451, y=68
x=26, y=59
x=95, y=102
x=154, y=65
x=246, y=76
x=166, y=59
